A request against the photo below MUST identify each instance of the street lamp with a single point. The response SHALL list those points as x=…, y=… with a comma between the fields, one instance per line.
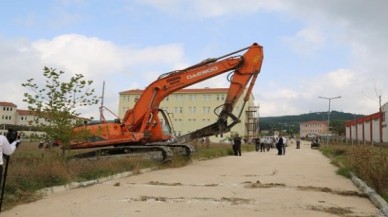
x=328, y=115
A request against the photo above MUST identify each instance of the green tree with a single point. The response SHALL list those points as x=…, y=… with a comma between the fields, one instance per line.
x=56, y=103
x=338, y=127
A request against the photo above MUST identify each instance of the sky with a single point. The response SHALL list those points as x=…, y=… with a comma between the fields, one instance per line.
x=312, y=48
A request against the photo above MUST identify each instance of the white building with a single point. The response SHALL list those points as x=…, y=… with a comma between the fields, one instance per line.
x=192, y=109
x=313, y=129
x=369, y=129
x=10, y=115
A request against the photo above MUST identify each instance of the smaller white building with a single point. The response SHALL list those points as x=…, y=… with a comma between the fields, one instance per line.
x=313, y=129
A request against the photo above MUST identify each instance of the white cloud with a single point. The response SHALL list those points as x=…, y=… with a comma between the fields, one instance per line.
x=306, y=41
x=80, y=54
x=121, y=67
x=341, y=78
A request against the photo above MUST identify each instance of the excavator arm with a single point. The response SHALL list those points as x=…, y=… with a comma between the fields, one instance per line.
x=245, y=70
x=244, y=77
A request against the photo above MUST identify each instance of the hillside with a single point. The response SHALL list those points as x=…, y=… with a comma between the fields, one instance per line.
x=291, y=122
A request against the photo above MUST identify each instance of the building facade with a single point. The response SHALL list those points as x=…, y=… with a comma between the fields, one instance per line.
x=8, y=112
x=369, y=129
x=192, y=109
x=313, y=129
x=10, y=115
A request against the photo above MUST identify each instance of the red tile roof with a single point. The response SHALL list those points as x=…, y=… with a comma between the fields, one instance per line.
x=7, y=104
x=314, y=122
x=24, y=112
x=192, y=90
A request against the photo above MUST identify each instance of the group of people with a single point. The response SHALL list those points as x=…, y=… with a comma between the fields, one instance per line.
x=264, y=144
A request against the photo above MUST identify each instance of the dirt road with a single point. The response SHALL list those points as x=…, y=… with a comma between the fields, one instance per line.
x=300, y=183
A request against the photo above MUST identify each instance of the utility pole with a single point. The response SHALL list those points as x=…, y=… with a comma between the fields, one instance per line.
x=328, y=115
x=102, y=117
x=381, y=122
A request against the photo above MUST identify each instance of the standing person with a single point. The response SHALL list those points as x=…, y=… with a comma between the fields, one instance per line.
x=262, y=145
x=297, y=143
x=279, y=145
x=8, y=145
x=237, y=145
x=284, y=145
x=257, y=143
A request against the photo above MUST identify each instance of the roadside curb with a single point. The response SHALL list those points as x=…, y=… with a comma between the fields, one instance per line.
x=375, y=198
x=74, y=185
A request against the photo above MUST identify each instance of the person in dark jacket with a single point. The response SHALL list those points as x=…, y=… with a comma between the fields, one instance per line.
x=279, y=145
x=257, y=143
x=237, y=145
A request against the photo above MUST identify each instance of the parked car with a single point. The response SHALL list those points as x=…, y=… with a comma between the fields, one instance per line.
x=315, y=144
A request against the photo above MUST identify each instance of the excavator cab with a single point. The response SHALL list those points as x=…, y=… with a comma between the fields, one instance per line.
x=166, y=123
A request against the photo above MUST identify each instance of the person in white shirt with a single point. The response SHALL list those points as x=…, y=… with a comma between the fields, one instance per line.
x=284, y=146
x=8, y=144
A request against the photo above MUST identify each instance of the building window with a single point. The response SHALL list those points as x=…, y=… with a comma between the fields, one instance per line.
x=192, y=110
x=192, y=97
x=179, y=97
x=206, y=97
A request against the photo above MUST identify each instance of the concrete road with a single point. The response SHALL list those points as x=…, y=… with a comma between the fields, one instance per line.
x=300, y=183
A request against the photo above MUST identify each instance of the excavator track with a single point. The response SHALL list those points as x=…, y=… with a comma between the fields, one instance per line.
x=125, y=151
x=165, y=150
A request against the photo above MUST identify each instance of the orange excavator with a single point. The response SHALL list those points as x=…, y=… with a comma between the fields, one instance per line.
x=145, y=127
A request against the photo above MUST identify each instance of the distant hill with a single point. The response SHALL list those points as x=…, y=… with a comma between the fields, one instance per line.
x=291, y=122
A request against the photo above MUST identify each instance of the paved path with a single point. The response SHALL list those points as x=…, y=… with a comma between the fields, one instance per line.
x=300, y=183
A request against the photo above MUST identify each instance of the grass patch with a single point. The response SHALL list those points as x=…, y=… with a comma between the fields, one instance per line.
x=370, y=163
